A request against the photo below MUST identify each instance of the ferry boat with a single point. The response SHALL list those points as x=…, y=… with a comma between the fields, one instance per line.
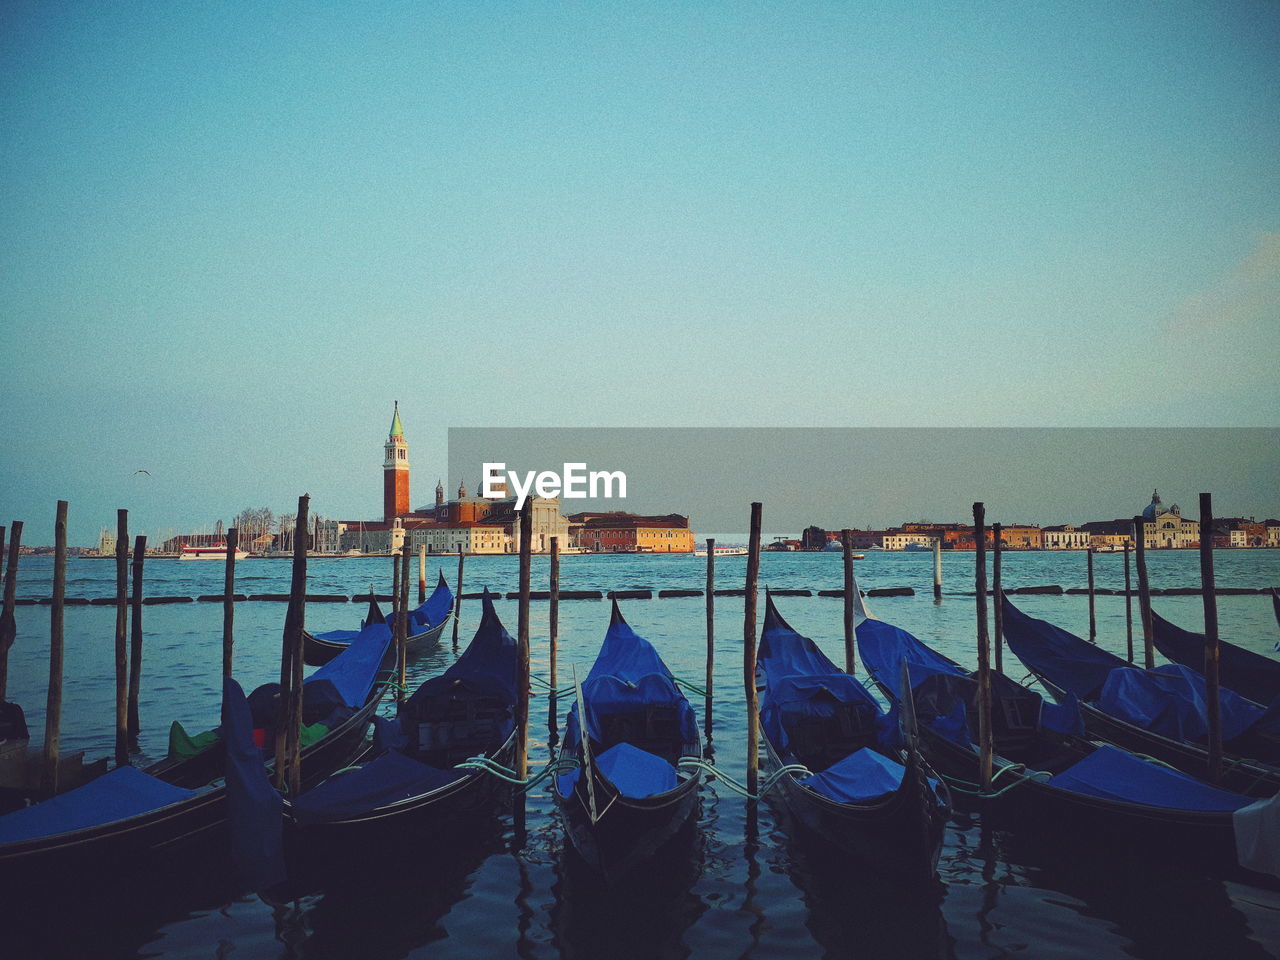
x=213, y=551
x=723, y=552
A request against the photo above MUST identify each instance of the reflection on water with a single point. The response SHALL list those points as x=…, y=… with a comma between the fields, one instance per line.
x=740, y=882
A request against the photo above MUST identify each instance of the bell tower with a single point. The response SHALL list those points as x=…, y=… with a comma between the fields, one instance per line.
x=395, y=471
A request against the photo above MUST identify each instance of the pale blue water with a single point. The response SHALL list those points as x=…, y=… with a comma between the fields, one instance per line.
x=1008, y=892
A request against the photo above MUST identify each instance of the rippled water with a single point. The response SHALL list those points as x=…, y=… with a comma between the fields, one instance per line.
x=738, y=885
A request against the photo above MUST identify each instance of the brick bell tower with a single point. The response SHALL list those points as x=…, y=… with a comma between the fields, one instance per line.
x=395, y=472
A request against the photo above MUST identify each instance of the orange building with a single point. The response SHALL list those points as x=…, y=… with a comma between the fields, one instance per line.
x=395, y=472
x=631, y=533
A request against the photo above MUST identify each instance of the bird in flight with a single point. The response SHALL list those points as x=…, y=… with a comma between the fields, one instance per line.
x=147, y=472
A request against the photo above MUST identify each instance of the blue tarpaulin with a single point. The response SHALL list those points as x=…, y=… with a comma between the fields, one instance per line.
x=635, y=772
x=488, y=666
x=123, y=793
x=254, y=808
x=1062, y=658
x=883, y=648
x=1249, y=674
x=437, y=606
x=863, y=775
x=1115, y=775
x=390, y=778
x=353, y=671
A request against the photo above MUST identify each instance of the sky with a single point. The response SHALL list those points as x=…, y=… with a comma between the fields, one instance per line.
x=233, y=234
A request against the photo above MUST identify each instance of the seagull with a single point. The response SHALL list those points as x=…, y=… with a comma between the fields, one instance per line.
x=147, y=472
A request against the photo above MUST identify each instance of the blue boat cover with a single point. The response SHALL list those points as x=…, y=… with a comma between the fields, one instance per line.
x=884, y=646
x=254, y=808
x=801, y=682
x=1249, y=674
x=635, y=772
x=629, y=675
x=1115, y=775
x=352, y=672
x=1062, y=658
x=432, y=612
x=389, y=779
x=488, y=666
x=337, y=636
x=1171, y=700
x=863, y=775
x=123, y=793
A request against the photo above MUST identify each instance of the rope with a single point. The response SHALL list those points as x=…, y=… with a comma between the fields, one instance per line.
x=483, y=764
x=975, y=790
x=688, y=686
x=694, y=763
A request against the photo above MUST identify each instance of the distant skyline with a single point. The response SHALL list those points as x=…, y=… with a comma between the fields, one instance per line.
x=234, y=234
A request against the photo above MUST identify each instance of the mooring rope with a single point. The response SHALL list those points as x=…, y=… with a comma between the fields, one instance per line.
x=482, y=764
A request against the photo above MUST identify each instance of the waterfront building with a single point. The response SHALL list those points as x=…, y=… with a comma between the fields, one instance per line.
x=106, y=543
x=618, y=532
x=395, y=471
x=1110, y=542
x=1018, y=536
x=1273, y=533
x=1166, y=528
x=904, y=541
x=1065, y=537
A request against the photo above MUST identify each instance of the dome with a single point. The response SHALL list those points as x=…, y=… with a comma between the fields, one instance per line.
x=1154, y=508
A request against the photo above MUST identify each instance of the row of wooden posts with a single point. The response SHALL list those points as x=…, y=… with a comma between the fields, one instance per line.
x=129, y=645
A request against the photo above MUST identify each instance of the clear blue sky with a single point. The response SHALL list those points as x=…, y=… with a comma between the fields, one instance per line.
x=234, y=233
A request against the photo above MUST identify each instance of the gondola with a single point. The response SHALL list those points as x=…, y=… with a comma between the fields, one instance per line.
x=628, y=795
x=426, y=623
x=1044, y=768
x=860, y=789
x=408, y=781
x=126, y=817
x=1160, y=713
x=1252, y=675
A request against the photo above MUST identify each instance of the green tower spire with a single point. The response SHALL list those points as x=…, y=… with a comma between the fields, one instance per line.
x=396, y=429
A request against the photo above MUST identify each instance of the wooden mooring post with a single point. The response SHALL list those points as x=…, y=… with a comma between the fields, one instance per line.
x=1093, y=609
x=1144, y=593
x=422, y=573
x=1128, y=608
x=135, y=639
x=711, y=633
x=937, y=570
x=984, y=648
x=53, y=702
x=122, y=638
x=406, y=551
x=522, y=646
x=997, y=593
x=553, y=626
x=850, y=660
x=457, y=600
x=749, y=649
x=289, y=715
x=228, y=602
x=1212, y=646
x=8, y=625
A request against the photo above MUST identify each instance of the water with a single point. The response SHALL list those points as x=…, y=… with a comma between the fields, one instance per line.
x=731, y=887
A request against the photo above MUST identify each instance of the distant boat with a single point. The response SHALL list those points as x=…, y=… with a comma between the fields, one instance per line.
x=216, y=551
x=835, y=546
x=918, y=548
x=724, y=552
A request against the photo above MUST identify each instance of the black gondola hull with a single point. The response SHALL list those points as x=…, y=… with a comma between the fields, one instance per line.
x=316, y=652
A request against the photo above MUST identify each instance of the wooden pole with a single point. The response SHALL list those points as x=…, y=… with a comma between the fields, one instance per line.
x=422, y=572
x=711, y=629
x=749, y=649
x=122, y=638
x=1144, y=594
x=289, y=716
x=406, y=552
x=522, y=705
x=1212, y=647
x=135, y=639
x=228, y=602
x=1128, y=608
x=8, y=625
x=984, y=651
x=937, y=570
x=395, y=582
x=457, y=603
x=3, y=531
x=53, y=704
x=553, y=615
x=846, y=541
x=1093, y=609
x=997, y=593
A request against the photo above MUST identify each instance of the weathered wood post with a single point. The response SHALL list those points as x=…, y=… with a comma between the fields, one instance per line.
x=422, y=573
x=997, y=593
x=228, y=602
x=8, y=625
x=122, y=631
x=457, y=602
x=53, y=702
x=406, y=551
x=1212, y=647
x=3, y=531
x=984, y=652
x=553, y=617
x=1144, y=593
x=395, y=582
x=846, y=542
x=522, y=704
x=937, y=570
x=749, y=649
x=711, y=631
x=289, y=715
x=1128, y=608
x=135, y=638
x=1093, y=610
